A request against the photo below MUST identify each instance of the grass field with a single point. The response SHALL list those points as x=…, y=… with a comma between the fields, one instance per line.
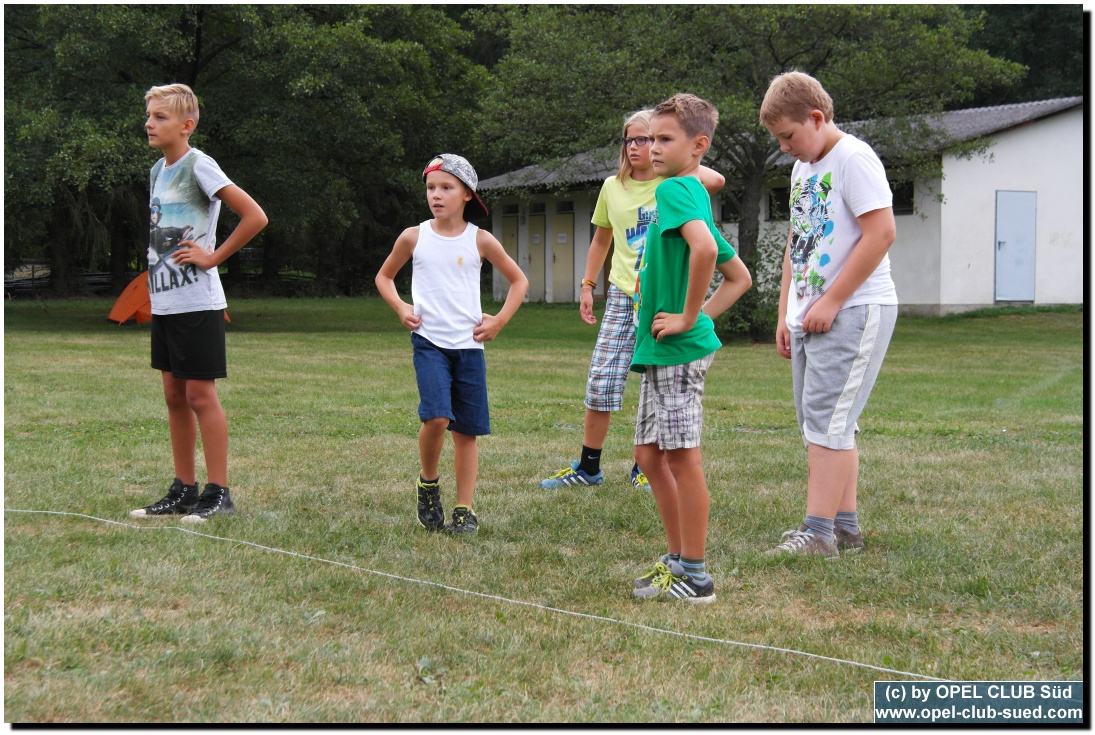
x=971, y=497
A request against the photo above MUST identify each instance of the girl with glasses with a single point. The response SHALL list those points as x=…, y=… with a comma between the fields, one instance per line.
x=622, y=214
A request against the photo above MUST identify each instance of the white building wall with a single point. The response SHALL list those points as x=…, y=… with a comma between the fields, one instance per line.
x=915, y=255
x=943, y=259
x=1046, y=157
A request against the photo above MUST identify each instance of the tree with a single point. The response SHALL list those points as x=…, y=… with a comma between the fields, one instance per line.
x=1047, y=39
x=571, y=73
x=323, y=113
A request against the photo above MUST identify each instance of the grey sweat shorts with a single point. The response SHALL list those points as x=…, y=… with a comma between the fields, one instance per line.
x=833, y=373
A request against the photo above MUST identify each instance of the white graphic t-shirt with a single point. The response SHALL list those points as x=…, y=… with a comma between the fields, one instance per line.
x=826, y=198
x=184, y=206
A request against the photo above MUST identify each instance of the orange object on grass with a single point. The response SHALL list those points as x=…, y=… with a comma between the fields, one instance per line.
x=135, y=303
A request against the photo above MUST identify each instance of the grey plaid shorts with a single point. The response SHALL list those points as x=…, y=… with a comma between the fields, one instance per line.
x=612, y=354
x=671, y=405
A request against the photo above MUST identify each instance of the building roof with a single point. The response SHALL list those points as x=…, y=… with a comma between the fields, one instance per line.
x=593, y=167
x=963, y=125
x=589, y=168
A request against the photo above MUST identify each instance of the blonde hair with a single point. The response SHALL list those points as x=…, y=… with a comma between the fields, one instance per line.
x=696, y=116
x=794, y=96
x=642, y=117
x=178, y=98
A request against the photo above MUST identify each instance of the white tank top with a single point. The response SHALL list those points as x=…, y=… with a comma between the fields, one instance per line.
x=445, y=287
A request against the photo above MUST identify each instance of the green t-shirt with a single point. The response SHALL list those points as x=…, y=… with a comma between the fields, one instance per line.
x=663, y=276
x=627, y=213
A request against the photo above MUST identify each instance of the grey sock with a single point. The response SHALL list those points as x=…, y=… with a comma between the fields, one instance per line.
x=823, y=527
x=848, y=520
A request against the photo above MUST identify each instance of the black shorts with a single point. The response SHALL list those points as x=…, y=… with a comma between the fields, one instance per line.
x=190, y=346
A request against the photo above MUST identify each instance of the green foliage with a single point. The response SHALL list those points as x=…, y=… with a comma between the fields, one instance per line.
x=324, y=114
x=754, y=315
x=875, y=60
x=1047, y=39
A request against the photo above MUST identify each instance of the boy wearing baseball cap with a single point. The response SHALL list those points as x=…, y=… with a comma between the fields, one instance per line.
x=448, y=330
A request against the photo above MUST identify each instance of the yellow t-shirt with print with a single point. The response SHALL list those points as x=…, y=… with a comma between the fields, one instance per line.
x=627, y=212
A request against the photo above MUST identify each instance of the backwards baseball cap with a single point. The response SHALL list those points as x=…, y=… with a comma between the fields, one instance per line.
x=459, y=167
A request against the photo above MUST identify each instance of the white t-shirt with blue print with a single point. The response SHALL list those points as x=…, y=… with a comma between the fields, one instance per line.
x=826, y=198
x=184, y=206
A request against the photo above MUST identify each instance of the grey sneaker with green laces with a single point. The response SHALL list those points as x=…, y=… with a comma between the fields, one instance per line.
x=463, y=521
x=804, y=542
x=430, y=513
x=674, y=584
x=659, y=569
x=848, y=542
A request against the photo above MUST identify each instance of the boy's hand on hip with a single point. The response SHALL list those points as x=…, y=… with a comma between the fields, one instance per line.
x=488, y=329
x=667, y=324
x=190, y=252
x=410, y=320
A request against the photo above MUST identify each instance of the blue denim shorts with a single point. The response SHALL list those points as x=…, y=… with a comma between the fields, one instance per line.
x=452, y=384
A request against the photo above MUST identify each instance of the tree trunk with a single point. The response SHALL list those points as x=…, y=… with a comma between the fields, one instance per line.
x=271, y=256
x=751, y=197
x=349, y=255
x=60, y=249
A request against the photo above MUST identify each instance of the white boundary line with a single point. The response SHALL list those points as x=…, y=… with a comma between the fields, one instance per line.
x=483, y=595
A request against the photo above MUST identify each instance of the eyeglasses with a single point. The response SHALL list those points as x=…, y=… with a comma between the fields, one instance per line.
x=640, y=141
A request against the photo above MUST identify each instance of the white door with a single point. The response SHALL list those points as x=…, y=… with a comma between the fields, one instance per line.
x=1016, y=216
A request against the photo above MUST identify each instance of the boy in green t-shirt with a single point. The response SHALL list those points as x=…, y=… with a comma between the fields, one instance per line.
x=675, y=343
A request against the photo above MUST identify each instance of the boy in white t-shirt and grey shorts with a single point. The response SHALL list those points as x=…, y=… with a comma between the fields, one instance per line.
x=838, y=304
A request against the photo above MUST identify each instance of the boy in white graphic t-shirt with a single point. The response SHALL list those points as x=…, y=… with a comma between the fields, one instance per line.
x=838, y=305
x=448, y=331
x=186, y=191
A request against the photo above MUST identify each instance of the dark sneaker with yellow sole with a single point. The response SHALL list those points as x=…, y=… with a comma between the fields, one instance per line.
x=430, y=513
x=464, y=521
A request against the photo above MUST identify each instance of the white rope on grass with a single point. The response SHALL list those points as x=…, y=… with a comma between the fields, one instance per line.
x=537, y=606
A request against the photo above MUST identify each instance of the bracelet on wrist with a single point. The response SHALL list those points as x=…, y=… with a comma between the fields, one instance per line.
x=587, y=282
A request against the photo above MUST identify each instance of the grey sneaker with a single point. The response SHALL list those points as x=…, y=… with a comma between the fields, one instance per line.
x=848, y=542
x=658, y=570
x=804, y=543
x=463, y=521
x=214, y=500
x=180, y=500
x=674, y=584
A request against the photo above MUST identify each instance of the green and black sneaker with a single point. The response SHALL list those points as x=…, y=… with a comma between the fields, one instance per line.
x=463, y=521
x=430, y=513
